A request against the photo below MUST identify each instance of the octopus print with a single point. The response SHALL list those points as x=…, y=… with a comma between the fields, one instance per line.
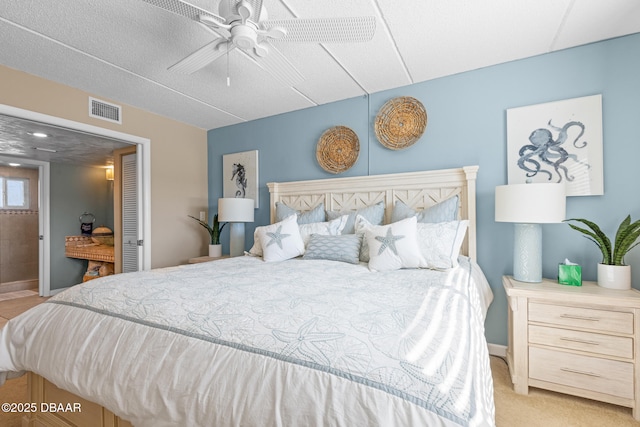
x=546, y=155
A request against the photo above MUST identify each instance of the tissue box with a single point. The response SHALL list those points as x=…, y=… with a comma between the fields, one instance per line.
x=570, y=274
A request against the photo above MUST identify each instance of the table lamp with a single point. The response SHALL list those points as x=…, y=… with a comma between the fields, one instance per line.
x=529, y=205
x=236, y=212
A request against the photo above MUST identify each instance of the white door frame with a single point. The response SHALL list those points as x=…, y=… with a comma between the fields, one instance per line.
x=144, y=184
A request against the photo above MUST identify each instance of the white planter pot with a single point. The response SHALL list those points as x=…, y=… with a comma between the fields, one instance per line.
x=614, y=276
x=215, y=251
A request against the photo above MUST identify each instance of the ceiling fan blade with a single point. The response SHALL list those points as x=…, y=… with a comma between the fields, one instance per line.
x=202, y=57
x=257, y=8
x=277, y=65
x=325, y=30
x=185, y=9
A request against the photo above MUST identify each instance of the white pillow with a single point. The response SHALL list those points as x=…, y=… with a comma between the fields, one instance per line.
x=256, y=249
x=394, y=246
x=361, y=226
x=440, y=243
x=330, y=228
x=280, y=241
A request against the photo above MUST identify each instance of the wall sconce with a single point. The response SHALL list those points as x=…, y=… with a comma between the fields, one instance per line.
x=109, y=173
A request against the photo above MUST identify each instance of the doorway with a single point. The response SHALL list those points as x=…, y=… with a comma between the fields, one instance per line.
x=143, y=163
x=21, y=224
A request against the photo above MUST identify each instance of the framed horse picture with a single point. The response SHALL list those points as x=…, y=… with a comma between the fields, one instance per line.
x=240, y=175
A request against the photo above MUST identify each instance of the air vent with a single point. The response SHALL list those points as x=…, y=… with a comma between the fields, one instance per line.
x=105, y=111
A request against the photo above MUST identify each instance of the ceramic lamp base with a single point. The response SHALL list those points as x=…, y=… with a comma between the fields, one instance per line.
x=527, y=253
x=236, y=239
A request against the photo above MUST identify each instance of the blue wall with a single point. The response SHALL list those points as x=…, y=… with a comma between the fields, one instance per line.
x=75, y=190
x=467, y=126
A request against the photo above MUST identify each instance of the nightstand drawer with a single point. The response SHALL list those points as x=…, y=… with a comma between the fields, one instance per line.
x=578, y=317
x=589, y=373
x=607, y=345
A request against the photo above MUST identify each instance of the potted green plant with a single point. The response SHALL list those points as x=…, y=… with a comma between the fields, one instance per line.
x=612, y=271
x=215, y=248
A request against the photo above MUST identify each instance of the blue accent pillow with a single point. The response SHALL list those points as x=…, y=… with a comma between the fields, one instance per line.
x=314, y=215
x=374, y=214
x=344, y=248
x=444, y=211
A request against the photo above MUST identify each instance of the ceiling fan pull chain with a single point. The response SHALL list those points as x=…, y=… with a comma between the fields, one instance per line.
x=228, y=77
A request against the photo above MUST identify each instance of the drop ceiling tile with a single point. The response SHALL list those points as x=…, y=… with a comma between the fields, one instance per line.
x=590, y=21
x=437, y=38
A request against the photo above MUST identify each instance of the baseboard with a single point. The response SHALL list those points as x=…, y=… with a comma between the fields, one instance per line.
x=497, y=350
x=19, y=285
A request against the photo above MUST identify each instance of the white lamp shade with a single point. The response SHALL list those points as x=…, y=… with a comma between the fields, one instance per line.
x=531, y=203
x=235, y=209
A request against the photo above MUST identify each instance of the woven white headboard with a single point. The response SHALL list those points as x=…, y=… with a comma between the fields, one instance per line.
x=418, y=190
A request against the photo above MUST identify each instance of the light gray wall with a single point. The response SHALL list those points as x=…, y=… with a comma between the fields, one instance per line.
x=467, y=126
x=75, y=190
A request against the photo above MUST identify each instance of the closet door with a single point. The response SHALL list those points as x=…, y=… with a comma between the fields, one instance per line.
x=131, y=246
x=126, y=221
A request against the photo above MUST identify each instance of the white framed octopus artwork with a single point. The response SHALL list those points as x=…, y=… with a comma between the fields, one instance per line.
x=557, y=141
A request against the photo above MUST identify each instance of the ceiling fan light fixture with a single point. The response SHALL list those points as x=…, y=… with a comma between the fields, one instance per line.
x=244, y=24
x=244, y=36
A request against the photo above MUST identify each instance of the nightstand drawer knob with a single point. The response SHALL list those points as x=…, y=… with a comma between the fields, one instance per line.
x=579, y=340
x=573, y=316
x=575, y=371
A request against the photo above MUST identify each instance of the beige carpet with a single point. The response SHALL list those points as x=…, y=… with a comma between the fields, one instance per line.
x=540, y=408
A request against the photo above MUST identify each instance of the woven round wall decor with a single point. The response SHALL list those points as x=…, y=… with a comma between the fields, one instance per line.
x=338, y=149
x=400, y=122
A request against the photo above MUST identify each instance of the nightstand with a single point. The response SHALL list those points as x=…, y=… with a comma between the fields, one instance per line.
x=580, y=340
x=206, y=259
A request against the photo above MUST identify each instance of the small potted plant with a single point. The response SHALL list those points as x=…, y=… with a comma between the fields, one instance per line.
x=215, y=248
x=612, y=271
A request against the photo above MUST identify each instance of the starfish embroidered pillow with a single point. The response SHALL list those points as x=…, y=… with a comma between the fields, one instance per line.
x=280, y=241
x=394, y=246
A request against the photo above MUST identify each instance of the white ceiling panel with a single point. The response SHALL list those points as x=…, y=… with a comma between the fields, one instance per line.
x=593, y=21
x=438, y=38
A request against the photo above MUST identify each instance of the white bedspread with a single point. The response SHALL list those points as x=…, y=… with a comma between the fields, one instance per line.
x=240, y=342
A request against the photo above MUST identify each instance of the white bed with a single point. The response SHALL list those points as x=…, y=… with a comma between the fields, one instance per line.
x=300, y=342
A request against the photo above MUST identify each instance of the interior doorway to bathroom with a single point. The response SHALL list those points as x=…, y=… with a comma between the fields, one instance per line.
x=47, y=247
x=19, y=227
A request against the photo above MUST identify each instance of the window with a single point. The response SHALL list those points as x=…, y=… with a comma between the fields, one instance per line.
x=14, y=193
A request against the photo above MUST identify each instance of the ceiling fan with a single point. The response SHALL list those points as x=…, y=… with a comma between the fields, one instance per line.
x=243, y=24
